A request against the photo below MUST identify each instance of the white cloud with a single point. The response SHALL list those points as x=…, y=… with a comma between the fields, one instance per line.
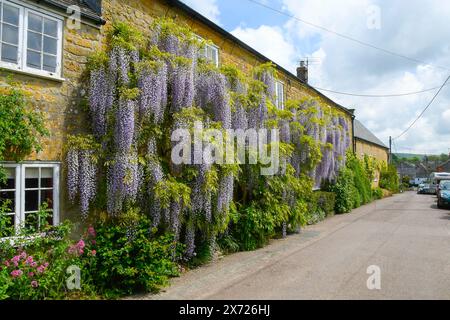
x=208, y=8
x=271, y=42
x=408, y=28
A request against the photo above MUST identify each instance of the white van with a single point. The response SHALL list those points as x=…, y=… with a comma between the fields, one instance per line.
x=436, y=178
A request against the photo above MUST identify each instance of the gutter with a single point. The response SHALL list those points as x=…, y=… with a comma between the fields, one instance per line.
x=226, y=34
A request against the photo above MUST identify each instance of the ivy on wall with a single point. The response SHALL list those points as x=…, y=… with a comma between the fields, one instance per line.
x=142, y=88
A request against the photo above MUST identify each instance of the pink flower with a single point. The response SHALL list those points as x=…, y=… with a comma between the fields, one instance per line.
x=34, y=284
x=23, y=255
x=46, y=265
x=15, y=259
x=34, y=264
x=81, y=244
x=41, y=269
x=31, y=274
x=91, y=231
x=7, y=264
x=29, y=260
x=16, y=273
x=94, y=242
x=81, y=251
x=94, y=252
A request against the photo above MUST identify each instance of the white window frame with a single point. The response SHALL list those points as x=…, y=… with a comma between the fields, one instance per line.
x=279, y=103
x=203, y=53
x=21, y=65
x=20, y=169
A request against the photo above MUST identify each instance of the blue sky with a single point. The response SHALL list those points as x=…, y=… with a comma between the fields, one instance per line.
x=414, y=28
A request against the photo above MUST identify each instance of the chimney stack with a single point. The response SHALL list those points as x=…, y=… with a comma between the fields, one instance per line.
x=302, y=71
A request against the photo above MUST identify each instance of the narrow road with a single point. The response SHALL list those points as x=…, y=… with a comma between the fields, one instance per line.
x=406, y=236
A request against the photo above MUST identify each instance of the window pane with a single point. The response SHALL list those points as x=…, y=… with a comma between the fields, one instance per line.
x=32, y=178
x=47, y=197
x=49, y=63
x=10, y=34
x=51, y=28
x=50, y=45
x=8, y=199
x=9, y=53
x=34, y=22
x=31, y=200
x=33, y=59
x=11, y=179
x=34, y=41
x=11, y=14
x=46, y=178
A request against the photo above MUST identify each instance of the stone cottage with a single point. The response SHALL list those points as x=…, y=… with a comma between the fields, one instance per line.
x=45, y=45
x=367, y=144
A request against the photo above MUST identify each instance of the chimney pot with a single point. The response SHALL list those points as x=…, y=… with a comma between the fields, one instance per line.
x=302, y=72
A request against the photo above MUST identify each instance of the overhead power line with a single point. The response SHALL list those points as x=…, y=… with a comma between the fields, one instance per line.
x=424, y=110
x=377, y=95
x=347, y=37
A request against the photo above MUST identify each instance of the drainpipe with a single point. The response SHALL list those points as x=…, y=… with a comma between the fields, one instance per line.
x=353, y=130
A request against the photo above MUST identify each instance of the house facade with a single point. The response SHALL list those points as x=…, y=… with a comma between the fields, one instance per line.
x=367, y=144
x=45, y=46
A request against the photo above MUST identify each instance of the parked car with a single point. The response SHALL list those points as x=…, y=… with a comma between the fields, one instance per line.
x=443, y=194
x=424, y=188
x=436, y=178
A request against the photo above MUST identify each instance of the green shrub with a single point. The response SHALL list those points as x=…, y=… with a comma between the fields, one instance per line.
x=115, y=260
x=129, y=261
x=38, y=269
x=361, y=180
x=377, y=193
x=326, y=201
x=20, y=127
x=254, y=228
x=321, y=205
x=389, y=179
x=345, y=191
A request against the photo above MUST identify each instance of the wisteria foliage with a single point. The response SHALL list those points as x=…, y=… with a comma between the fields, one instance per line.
x=168, y=81
x=82, y=178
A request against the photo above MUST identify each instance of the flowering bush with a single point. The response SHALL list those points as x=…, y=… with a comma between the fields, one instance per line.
x=25, y=275
x=126, y=265
x=37, y=269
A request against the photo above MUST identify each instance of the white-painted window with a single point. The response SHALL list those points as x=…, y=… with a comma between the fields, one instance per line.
x=279, y=95
x=30, y=40
x=27, y=188
x=209, y=52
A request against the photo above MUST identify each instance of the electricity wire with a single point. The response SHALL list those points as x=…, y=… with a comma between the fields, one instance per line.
x=386, y=51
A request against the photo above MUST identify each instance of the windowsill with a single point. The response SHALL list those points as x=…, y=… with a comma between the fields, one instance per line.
x=12, y=240
x=33, y=74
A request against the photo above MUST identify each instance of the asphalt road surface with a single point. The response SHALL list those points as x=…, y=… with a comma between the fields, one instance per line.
x=406, y=238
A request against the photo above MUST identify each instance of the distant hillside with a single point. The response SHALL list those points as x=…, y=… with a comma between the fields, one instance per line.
x=410, y=155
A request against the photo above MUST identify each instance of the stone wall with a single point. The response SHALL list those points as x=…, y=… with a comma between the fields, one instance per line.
x=381, y=154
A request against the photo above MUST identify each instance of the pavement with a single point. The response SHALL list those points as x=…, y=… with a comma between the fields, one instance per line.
x=403, y=242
